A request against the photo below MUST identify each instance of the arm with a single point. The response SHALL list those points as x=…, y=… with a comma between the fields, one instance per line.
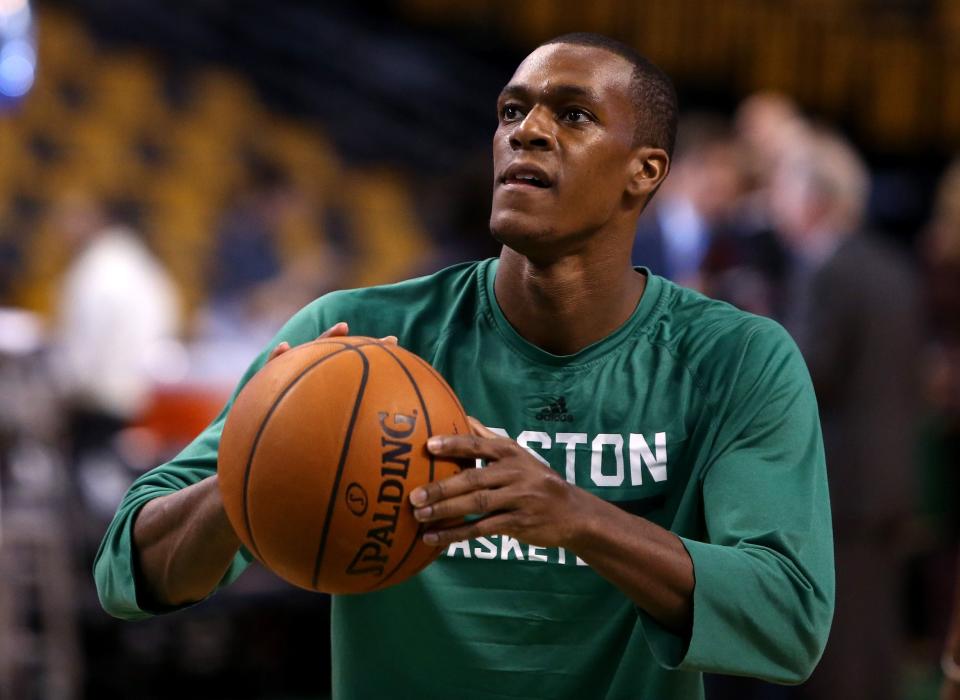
x=130, y=587
x=184, y=545
x=170, y=543
x=183, y=542
x=648, y=563
x=753, y=594
x=611, y=541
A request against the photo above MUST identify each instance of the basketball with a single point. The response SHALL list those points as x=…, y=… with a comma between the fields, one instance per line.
x=319, y=454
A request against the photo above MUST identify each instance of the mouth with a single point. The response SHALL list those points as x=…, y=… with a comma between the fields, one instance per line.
x=526, y=176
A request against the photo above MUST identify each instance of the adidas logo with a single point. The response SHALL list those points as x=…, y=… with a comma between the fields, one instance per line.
x=556, y=411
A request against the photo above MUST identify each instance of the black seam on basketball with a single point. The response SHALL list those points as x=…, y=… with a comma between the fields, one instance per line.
x=256, y=442
x=446, y=387
x=416, y=388
x=343, y=458
x=426, y=418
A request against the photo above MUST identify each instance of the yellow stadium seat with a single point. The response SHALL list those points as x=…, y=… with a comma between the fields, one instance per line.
x=126, y=90
x=390, y=237
x=62, y=40
x=303, y=150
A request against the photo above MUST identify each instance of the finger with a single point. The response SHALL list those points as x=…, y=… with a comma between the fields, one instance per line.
x=389, y=339
x=466, y=446
x=336, y=330
x=480, y=429
x=497, y=524
x=466, y=481
x=279, y=350
x=477, y=502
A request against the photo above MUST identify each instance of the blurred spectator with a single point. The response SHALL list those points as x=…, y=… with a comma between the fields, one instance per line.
x=117, y=318
x=854, y=312
x=746, y=264
x=940, y=253
x=673, y=236
x=246, y=253
x=254, y=284
x=940, y=249
x=768, y=125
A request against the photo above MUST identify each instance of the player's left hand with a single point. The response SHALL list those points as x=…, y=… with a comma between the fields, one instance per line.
x=515, y=493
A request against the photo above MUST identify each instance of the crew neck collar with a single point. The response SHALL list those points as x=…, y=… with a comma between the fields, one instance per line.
x=641, y=315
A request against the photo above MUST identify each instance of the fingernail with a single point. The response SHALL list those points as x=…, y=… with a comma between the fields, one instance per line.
x=434, y=443
x=418, y=497
x=431, y=538
x=422, y=513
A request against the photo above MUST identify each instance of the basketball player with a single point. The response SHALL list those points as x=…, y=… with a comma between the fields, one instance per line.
x=653, y=502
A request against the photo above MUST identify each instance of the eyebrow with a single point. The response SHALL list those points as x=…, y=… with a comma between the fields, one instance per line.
x=522, y=92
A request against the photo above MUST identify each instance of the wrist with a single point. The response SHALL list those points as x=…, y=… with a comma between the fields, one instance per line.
x=213, y=503
x=581, y=527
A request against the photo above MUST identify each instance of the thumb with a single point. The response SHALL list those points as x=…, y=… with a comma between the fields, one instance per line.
x=279, y=350
x=480, y=429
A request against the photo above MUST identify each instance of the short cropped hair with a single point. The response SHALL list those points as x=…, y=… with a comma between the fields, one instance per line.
x=654, y=97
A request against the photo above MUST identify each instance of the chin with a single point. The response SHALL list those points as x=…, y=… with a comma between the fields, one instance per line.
x=520, y=231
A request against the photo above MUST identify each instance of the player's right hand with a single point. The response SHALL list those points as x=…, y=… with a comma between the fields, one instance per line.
x=335, y=331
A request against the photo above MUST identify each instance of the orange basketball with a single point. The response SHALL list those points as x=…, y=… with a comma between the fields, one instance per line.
x=318, y=457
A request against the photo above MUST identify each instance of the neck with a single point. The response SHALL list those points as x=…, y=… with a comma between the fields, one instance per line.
x=564, y=305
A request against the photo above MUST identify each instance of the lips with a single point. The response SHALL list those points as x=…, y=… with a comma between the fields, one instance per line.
x=526, y=175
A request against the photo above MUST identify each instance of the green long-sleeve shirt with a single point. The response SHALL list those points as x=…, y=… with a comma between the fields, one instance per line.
x=692, y=414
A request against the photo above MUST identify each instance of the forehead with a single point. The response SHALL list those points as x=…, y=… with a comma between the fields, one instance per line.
x=598, y=70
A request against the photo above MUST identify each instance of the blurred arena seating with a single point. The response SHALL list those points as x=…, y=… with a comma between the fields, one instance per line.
x=107, y=122
x=168, y=150
x=891, y=68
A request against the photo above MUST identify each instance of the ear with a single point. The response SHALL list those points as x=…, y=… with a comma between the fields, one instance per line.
x=648, y=168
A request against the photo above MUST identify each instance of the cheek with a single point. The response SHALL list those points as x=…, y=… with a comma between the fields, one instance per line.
x=596, y=186
x=501, y=148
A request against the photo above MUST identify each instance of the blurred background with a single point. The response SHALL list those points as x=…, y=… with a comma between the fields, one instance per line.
x=177, y=178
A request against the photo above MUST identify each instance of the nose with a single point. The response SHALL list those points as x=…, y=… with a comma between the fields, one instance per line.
x=535, y=132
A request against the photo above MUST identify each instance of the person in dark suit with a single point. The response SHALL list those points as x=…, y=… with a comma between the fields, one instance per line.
x=854, y=311
x=675, y=234
x=940, y=252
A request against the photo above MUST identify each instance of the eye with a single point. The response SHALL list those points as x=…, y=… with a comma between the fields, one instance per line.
x=575, y=115
x=511, y=112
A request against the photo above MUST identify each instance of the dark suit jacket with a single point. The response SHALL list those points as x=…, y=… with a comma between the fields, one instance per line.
x=860, y=334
